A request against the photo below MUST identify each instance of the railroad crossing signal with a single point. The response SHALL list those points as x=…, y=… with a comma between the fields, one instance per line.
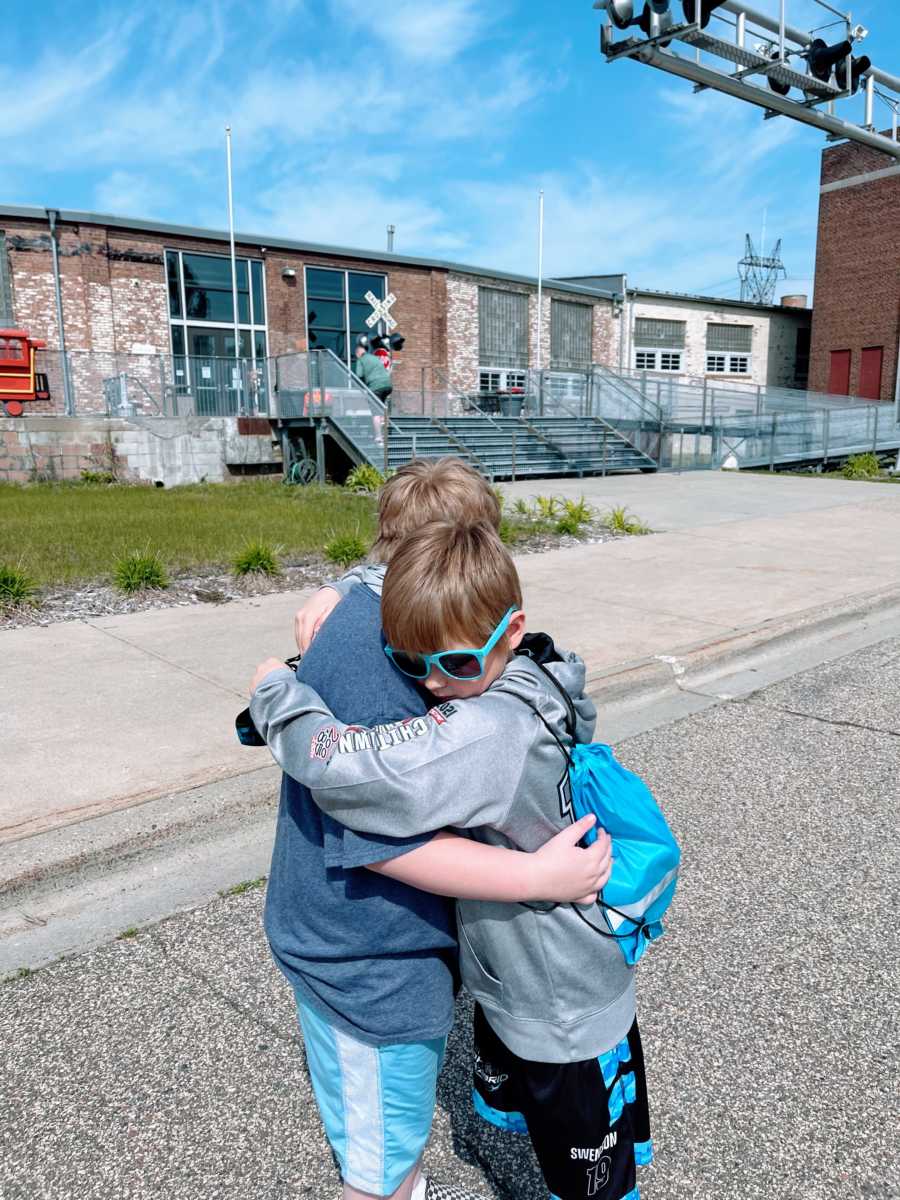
x=381, y=311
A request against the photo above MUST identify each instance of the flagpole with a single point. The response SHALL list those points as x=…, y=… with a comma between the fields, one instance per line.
x=234, y=294
x=540, y=297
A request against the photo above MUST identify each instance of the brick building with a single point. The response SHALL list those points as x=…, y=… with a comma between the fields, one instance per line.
x=856, y=325
x=133, y=291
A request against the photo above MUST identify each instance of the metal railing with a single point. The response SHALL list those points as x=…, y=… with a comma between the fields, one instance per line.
x=114, y=384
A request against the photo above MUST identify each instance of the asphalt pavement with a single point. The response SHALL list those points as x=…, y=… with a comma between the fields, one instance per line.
x=167, y=1064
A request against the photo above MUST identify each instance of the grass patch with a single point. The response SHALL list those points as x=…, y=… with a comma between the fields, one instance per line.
x=16, y=586
x=61, y=533
x=257, y=558
x=345, y=549
x=364, y=478
x=248, y=885
x=131, y=932
x=620, y=520
x=139, y=570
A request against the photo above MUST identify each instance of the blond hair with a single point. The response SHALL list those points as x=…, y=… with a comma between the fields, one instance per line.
x=432, y=490
x=447, y=581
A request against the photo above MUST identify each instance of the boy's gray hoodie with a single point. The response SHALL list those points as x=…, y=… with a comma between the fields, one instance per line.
x=552, y=988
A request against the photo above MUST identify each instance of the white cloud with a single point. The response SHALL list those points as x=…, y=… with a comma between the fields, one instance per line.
x=127, y=193
x=430, y=31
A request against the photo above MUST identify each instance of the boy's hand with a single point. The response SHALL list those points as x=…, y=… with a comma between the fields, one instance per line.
x=308, y=618
x=565, y=872
x=264, y=668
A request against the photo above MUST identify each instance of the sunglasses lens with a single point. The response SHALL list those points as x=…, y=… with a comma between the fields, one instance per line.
x=460, y=666
x=410, y=664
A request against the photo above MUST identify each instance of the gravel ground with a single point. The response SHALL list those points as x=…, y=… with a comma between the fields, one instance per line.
x=83, y=601
x=168, y=1064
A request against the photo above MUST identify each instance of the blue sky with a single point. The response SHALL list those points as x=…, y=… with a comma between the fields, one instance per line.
x=443, y=117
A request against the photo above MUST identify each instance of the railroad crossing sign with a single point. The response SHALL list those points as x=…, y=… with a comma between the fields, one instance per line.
x=381, y=310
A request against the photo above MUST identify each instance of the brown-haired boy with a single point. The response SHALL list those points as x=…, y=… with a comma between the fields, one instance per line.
x=421, y=491
x=557, y=1052
x=371, y=959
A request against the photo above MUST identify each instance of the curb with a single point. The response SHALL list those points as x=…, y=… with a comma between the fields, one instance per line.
x=699, y=664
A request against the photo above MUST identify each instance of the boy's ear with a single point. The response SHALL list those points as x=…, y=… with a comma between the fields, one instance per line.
x=515, y=631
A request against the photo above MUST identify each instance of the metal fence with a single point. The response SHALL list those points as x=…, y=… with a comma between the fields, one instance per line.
x=122, y=385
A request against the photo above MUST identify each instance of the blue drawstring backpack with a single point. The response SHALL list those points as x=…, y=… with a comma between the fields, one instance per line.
x=645, y=853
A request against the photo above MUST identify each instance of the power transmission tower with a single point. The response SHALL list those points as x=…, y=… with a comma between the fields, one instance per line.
x=759, y=272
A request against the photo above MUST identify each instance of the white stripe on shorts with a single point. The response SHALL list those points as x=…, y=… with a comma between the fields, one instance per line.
x=363, y=1111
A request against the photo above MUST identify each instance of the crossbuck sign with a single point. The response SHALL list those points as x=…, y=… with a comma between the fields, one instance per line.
x=381, y=310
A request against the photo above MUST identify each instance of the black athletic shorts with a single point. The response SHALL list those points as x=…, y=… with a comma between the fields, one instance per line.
x=589, y=1121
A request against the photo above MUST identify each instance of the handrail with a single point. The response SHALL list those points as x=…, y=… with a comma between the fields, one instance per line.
x=627, y=389
x=626, y=439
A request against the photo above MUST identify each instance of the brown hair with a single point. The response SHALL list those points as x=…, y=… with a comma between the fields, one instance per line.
x=423, y=491
x=447, y=581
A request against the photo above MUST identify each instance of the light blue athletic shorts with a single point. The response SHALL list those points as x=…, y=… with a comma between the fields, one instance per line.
x=376, y=1102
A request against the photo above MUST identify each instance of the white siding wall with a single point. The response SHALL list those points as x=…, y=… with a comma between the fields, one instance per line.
x=774, y=336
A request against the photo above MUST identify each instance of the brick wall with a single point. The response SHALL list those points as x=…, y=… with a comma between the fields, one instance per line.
x=857, y=288
x=462, y=325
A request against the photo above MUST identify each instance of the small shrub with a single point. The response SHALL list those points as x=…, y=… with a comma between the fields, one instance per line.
x=130, y=932
x=520, y=507
x=257, y=558
x=579, y=510
x=364, y=478
x=509, y=532
x=345, y=549
x=547, y=506
x=97, y=477
x=861, y=466
x=16, y=586
x=501, y=499
x=138, y=570
x=568, y=523
x=619, y=520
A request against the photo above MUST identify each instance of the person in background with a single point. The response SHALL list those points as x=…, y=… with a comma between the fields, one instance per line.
x=374, y=374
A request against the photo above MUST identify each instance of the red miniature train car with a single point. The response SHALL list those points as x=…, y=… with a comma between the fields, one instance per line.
x=18, y=379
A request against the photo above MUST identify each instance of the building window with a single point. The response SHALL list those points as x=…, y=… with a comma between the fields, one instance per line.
x=337, y=308
x=501, y=381
x=201, y=307
x=728, y=364
x=502, y=328
x=570, y=335
x=657, y=360
x=651, y=331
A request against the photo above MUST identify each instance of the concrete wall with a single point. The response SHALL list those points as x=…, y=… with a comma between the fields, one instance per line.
x=774, y=336
x=857, y=297
x=171, y=450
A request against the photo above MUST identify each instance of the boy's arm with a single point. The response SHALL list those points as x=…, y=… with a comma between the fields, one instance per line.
x=560, y=871
x=459, y=765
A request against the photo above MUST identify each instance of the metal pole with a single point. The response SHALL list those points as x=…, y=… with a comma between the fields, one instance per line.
x=741, y=29
x=604, y=450
x=826, y=436
x=513, y=464
x=320, y=452
x=780, y=43
x=68, y=396
x=870, y=102
x=875, y=432
x=385, y=437
x=391, y=230
x=703, y=414
x=234, y=294
x=540, y=290
x=772, y=443
x=681, y=449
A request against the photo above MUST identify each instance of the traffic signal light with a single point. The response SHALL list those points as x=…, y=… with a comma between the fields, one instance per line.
x=775, y=85
x=621, y=12
x=706, y=9
x=396, y=342
x=383, y=341
x=858, y=67
x=823, y=58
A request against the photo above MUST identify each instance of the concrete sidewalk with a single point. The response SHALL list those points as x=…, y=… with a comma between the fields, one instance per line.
x=107, y=714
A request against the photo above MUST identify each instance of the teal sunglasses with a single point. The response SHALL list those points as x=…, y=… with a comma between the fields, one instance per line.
x=457, y=664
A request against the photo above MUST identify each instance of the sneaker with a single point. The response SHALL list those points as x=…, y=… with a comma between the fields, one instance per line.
x=446, y=1191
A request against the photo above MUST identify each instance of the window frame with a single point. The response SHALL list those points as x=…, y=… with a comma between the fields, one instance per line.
x=655, y=360
x=488, y=356
x=249, y=329
x=558, y=361
x=346, y=272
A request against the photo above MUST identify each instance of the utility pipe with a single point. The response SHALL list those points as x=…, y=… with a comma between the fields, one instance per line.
x=68, y=398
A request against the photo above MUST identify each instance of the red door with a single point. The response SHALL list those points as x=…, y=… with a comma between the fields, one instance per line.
x=870, y=372
x=839, y=375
